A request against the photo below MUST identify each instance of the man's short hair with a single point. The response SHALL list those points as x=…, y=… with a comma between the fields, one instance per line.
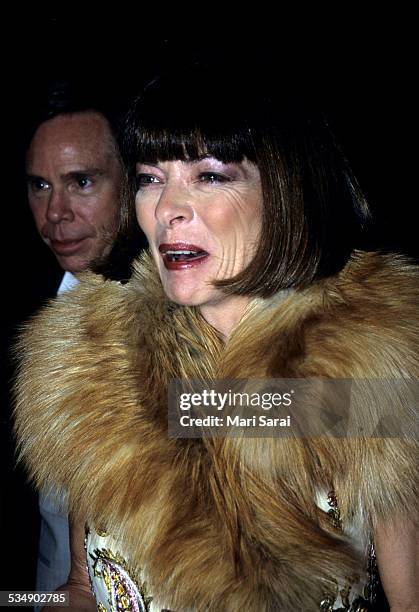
x=69, y=96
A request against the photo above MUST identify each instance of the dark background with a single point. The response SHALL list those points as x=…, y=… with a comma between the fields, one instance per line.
x=360, y=71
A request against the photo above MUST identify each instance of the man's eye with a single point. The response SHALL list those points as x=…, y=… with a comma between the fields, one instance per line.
x=213, y=178
x=143, y=180
x=83, y=181
x=38, y=184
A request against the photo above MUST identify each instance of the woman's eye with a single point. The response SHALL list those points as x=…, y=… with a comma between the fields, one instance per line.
x=143, y=180
x=213, y=177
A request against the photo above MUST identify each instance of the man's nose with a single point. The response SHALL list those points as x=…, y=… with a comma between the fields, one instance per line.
x=59, y=207
x=174, y=205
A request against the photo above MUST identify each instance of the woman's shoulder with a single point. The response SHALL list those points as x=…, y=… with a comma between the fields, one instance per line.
x=391, y=276
x=64, y=319
x=367, y=318
x=75, y=369
x=95, y=308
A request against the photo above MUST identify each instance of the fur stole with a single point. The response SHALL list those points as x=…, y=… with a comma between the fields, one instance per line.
x=217, y=524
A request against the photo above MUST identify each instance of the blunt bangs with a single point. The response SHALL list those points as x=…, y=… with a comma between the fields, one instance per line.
x=191, y=144
x=190, y=116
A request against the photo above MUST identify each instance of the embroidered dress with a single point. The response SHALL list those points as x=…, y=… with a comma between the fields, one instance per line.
x=117, y=588
x=114, y=585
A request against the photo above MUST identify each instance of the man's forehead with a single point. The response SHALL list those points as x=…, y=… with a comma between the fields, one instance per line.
x=87, y=118
x=67, y=131
x=80, y=140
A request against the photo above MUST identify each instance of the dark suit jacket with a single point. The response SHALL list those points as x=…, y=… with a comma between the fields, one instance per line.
x=25, y=291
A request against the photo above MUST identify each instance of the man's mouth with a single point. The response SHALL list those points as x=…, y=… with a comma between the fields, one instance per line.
x=65, y=247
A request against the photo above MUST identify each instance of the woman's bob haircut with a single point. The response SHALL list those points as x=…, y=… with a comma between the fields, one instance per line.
x=313, y=208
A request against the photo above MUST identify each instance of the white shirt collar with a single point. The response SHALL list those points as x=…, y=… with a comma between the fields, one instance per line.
x=68, y=282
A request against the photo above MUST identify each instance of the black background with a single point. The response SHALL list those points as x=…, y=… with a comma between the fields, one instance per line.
x=361, y=70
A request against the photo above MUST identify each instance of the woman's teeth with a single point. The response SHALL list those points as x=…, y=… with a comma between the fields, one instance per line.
x=184, y=255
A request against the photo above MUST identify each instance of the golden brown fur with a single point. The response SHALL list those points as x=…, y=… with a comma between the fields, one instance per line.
x=221, y=524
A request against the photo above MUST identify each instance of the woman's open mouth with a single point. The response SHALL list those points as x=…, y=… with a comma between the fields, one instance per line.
x=182, y=256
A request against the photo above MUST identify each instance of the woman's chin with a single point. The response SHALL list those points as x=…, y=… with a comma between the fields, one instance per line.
x=187, y=297
x=184, y=300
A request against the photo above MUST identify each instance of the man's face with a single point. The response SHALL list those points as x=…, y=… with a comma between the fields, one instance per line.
x=74, y=179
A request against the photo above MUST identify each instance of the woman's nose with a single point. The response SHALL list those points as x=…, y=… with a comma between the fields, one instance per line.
x=174, y=206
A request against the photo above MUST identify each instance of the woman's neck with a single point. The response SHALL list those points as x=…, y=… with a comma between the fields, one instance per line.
x=225, y=314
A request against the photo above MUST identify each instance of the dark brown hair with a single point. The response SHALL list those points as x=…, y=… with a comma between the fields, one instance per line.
x=313, y=206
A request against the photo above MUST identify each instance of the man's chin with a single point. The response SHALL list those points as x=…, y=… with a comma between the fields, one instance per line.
x=73, y=263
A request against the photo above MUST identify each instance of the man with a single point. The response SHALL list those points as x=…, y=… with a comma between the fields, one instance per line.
x=74, y=178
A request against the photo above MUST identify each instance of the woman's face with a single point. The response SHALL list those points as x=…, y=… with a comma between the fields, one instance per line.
x=202, y=220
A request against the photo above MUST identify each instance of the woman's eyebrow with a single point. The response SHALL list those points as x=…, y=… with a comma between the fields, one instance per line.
x=146, y=163
x=203, y=157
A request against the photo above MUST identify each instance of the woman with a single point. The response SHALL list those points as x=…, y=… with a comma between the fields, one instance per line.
x=252, y=215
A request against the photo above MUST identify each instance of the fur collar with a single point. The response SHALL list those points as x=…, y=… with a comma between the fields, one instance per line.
x=218, y=524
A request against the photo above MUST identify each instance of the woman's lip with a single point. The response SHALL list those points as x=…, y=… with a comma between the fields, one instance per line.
x=179, y=246
x=66, y=247
x=184, y=264
x=169, y=264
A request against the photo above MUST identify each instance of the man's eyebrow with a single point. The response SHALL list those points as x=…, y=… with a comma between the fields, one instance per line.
x=34, y=177
x=67, y=175
x=82, y=172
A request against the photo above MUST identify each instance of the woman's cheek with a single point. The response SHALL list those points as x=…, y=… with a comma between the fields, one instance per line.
x=142, y=211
